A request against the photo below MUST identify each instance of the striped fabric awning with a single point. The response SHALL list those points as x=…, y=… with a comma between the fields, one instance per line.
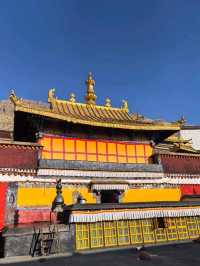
x=109, y=187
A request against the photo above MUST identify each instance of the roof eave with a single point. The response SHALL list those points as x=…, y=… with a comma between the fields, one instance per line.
x=146, y=127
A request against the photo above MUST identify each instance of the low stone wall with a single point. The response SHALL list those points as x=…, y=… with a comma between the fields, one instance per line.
x=18, y=241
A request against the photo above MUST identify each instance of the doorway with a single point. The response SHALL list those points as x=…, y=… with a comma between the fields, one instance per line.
x=109, y=196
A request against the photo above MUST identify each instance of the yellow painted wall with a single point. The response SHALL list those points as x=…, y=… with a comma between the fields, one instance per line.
x=38, y=196
x=41, y=196
x=152, y=194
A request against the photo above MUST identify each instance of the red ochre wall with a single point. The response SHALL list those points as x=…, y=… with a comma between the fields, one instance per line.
x=3, y=190
x=27, y=216
x=18, y=157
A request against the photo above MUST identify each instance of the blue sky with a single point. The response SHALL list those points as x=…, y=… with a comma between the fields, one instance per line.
x=145, y=51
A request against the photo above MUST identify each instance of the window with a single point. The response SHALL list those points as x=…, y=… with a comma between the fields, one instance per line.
x=82, y=236
x=192, y=227
x=182, y=228
x=63, y=148
x=110, y=234
x=96, y=235
x=171, y=229
x=148, y=231
x=159, y=222
x=160, y=232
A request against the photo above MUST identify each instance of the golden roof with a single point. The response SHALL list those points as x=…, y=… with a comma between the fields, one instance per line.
x=185, y=148
x=177, y=139
x=89, y=113
x=176, y=143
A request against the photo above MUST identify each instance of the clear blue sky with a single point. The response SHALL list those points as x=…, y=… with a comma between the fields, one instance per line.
x=146, y=51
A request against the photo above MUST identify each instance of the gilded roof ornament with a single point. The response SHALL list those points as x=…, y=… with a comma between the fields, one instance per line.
x=108, y=102
x=13, y=96
x=72, y=98
x=90, y=97
x=125, y=105
x=51, y=95
x=12, y=93
x=90, y=114
x=181, y=121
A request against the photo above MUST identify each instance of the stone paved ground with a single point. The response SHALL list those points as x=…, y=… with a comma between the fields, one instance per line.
x=173, y=255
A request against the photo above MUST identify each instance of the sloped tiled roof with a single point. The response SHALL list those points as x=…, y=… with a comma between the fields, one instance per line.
x=93, y=115
x=176, y=143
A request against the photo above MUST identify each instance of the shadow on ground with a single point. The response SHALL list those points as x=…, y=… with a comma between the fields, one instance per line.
x=174, y=255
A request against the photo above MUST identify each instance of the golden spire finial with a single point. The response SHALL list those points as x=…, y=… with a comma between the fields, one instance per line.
x=72, y=98
x=125, y=105
x=90, y=97
x=108, y=102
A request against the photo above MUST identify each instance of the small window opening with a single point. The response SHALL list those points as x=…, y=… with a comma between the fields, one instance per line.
x=159, y=223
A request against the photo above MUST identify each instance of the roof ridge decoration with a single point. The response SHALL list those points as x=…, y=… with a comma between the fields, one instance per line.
x=89, y=113
x=108, y=102
x=90, y=97
x=72, y=98
x=13, y=97
x=125, y=105
x=182, y=120
x=51, y=95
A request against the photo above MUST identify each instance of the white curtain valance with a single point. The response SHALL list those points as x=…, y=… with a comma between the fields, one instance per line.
x=109, y=187
x=114, y=215
x=72, y=180
x=182, y=181
x=84, y=173
x=36, y=179
x=181, y=175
